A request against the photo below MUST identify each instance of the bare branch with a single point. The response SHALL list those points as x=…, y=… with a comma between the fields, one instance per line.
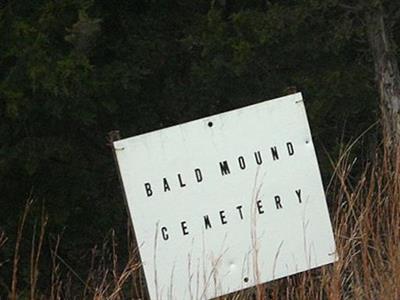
x=394, y=19
x=352, y=8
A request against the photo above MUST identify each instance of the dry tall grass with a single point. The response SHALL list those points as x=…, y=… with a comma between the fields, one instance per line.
x=366, y=216
x=365, y=212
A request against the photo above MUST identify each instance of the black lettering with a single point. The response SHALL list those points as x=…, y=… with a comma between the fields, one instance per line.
x=184, y=228
x=207, y=223
x=257, y=155
x=278, y=202
x=166, y=185
x=259, y=207
x=274, y=152
x=149, y=192
x=180, y=181
x=164, y=233
x=224, y=168
x=298, y=193
x=199, y=176
x=290, y=148
x=223, y=217
x=242, y=163
x=239, y=208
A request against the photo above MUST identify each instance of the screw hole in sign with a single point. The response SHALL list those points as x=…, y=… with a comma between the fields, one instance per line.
x=210, y=124
x=246, y=279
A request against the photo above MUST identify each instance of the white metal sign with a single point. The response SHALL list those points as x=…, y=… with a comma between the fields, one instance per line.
x=227, y=202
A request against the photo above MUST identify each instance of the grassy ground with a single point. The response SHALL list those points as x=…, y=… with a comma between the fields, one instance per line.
x=365, y=212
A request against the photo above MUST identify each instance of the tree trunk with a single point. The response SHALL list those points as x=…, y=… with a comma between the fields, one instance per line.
x=387, y=73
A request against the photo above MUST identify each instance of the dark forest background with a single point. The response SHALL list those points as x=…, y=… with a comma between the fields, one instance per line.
x=72, y=70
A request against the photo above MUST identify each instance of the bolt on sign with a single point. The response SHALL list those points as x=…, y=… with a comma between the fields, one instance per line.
x=226, y=202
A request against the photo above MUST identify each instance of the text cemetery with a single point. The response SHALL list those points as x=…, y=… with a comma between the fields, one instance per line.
x=236, y=214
